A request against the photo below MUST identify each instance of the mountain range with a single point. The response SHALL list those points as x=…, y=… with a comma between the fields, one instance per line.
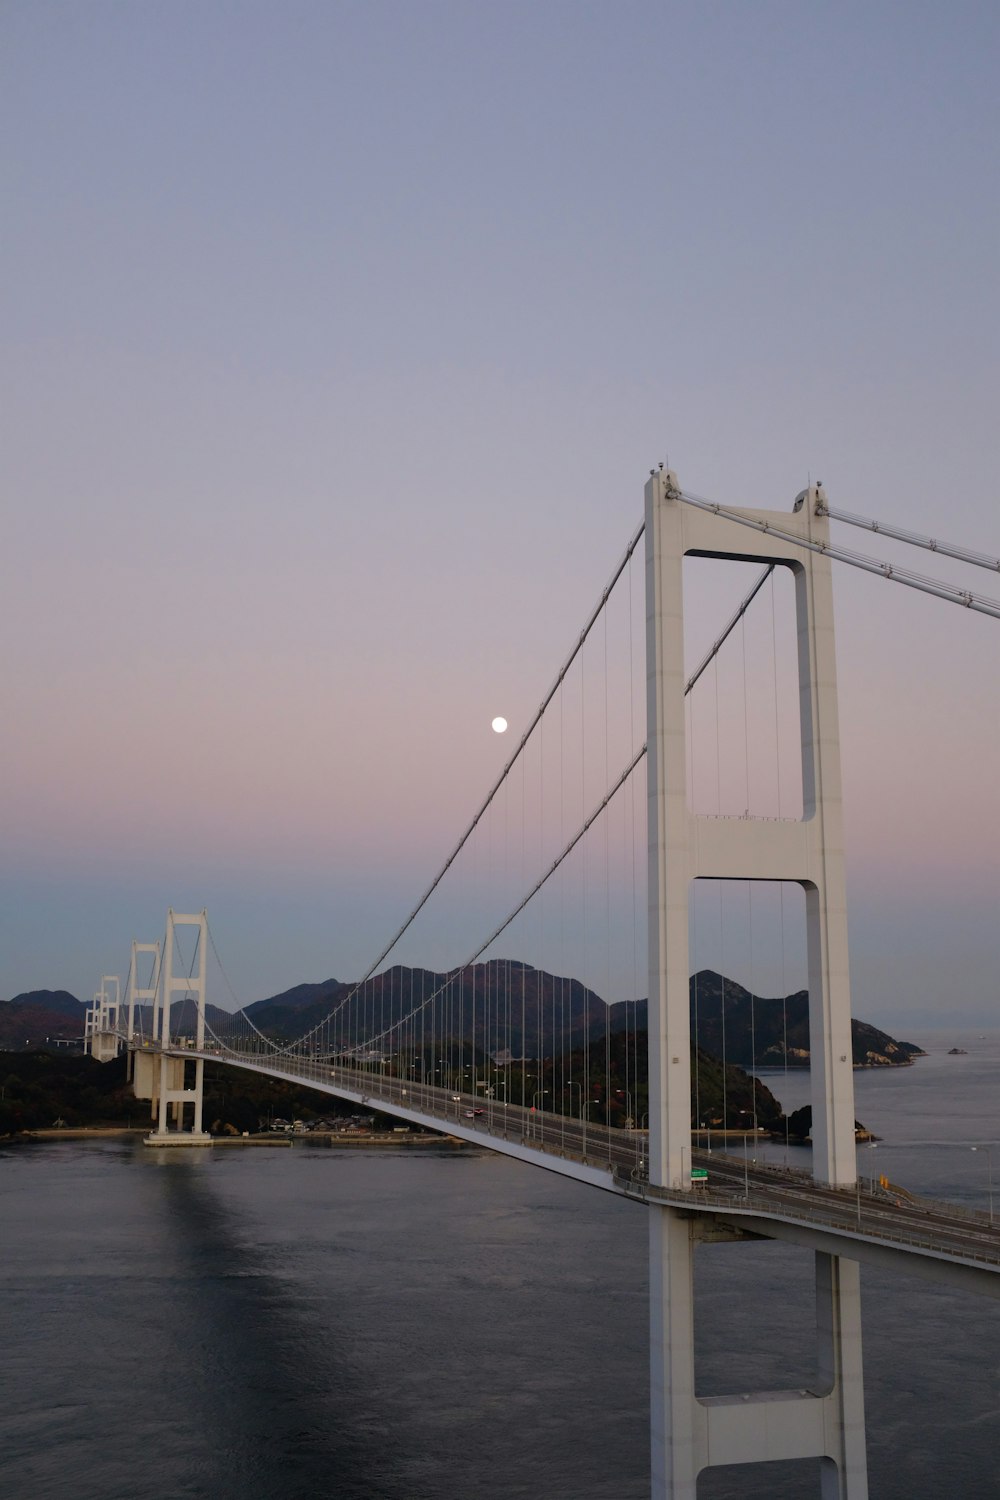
x=548, y=1015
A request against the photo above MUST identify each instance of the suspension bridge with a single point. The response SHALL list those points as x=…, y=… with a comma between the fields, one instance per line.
x=672, y=797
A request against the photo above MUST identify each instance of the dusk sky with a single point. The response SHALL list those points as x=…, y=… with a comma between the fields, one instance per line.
x=339, y=339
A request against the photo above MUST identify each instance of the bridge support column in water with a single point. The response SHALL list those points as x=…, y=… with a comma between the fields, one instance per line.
x=690, y=1433
x=175, y=1092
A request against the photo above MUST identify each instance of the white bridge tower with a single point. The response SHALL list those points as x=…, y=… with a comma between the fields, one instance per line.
x=175, y=1090
x=689, y=1433
x=100, y=1024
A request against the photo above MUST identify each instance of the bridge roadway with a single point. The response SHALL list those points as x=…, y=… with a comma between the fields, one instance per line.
x=922, y=1237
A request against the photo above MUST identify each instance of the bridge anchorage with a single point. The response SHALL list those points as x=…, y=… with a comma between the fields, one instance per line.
x=373, y=1051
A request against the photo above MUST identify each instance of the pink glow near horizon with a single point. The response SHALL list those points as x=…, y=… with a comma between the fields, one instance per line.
x=323, y=444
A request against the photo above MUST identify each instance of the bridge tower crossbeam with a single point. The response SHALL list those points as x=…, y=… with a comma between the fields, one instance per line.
x=689, y=1433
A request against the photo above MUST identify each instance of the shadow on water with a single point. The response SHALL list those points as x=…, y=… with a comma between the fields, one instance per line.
x=298, y=1324
x=285, y=1407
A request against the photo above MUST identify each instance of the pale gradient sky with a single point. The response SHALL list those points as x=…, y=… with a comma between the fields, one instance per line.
x=338, y=339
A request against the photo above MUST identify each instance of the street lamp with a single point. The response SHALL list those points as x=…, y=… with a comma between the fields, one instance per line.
x=572, y=1084
x=989, y=1174
x=628, y=1096
x=584, y=1118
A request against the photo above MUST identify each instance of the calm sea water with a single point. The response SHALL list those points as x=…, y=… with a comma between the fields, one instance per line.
x=274, y=1324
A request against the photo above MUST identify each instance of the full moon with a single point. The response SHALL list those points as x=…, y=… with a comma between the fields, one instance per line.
x=499, y=725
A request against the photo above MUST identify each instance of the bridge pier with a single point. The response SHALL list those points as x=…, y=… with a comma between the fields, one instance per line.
x=841, y=1373
x=691, y=1433
x=677, y=1429
x=688, y=1433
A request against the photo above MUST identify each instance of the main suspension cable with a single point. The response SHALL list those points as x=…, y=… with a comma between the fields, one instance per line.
x=980, y=603
x=577, y=647
x=914, y=538
x=703, y=665
x=594, y=815
x=574, y=652
x=595, y=615
x=516, y=911
x=737, y=617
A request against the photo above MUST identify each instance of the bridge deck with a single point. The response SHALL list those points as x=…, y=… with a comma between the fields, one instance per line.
x=924, y=1237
